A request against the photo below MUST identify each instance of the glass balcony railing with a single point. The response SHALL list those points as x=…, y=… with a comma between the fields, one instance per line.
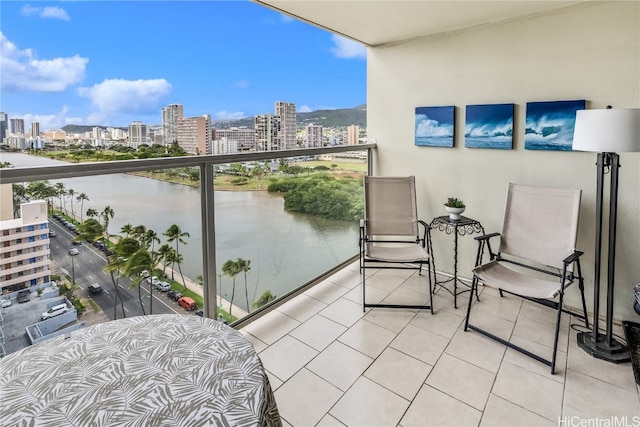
x=239, y=234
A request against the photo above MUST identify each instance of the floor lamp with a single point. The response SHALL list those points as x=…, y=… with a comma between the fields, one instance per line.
x=606, y=132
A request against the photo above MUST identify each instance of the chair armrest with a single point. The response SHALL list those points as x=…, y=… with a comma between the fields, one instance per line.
x=571, y=258
x=486, y=236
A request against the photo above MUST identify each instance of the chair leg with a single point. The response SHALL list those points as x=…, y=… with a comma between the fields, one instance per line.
x=364, y=297
x=474, y=288
x=555, y=339
x=430, y=287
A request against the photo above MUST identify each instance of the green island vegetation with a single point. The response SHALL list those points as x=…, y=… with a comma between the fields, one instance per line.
x=329, y=189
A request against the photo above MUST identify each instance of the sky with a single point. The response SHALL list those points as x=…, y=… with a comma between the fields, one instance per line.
x=114, y=62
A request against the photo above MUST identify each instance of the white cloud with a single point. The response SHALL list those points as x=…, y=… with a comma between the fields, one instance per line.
x=22, y=71
x=48, y=121
x=241, y=84
x=227, y=115
x=47, y=12
x=345, y=48
x=116, y=96
x=304, y=109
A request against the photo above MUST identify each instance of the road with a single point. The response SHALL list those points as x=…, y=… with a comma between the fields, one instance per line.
x=88, y=267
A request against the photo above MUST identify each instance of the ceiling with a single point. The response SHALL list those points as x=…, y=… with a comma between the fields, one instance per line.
x=379, y=22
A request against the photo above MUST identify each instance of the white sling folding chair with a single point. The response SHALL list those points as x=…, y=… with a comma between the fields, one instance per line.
x=390, y=233
x=536, y=258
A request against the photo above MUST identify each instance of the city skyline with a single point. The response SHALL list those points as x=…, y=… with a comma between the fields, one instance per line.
x=69, y=63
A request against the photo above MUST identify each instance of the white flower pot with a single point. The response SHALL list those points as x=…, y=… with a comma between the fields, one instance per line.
x=454, y=213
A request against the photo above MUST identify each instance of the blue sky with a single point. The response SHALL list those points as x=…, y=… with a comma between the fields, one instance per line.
x=113, y=62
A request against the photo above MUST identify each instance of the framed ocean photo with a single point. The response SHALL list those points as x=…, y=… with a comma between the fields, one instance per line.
x=489, y=126
x=434, y=126
x=549, y=125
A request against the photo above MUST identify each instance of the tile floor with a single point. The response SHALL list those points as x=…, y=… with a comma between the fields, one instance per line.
x=331, y=364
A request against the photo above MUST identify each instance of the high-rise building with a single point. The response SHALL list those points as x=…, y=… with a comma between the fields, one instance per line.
x=4, y=123
x=170, y=115
x=194, y=134
x=16, y=126
x=24, y=248
x=353, y=135
x=138, y=133
x=35, y=130
x=268, y=132
x=287, y=113
x=314, y=136
x=245, y=137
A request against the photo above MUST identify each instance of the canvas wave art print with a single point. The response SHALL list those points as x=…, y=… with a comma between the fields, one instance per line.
x=434, y=126
x=549, y=125
x=489, y=126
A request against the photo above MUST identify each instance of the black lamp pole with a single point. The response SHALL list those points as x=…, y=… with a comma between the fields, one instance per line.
x=605, y=347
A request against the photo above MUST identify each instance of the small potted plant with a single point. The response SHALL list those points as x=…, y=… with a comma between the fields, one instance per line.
x=455, y=207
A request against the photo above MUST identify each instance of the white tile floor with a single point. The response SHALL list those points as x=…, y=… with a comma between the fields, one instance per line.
x=331, y=364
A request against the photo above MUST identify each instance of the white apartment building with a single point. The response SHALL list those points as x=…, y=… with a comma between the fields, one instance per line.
x=138, y=133
x=287, y=112
x=244, y=137
x=16, y=126
x=24, y=248
x=224, y=146
x=268, y=132
x=353, y=135
x=35, y=130
x=313, y=138
x=194, y=135
x=170, y=115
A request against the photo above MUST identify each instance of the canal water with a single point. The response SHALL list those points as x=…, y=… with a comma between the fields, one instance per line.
x=285, y=249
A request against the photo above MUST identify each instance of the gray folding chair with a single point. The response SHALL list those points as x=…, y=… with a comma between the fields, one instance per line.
x=390, y=235
x=536, y=256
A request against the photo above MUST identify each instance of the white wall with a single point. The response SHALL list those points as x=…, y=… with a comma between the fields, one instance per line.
x=589, y=52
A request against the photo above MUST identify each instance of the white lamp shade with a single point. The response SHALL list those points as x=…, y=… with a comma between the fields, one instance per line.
x=607, y=131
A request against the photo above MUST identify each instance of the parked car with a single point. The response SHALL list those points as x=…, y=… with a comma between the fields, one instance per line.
x=24, y=296
x=174, y=295
x=153, y=280
x=188, y=303
x=74, y=251
x=163, y=286
x=6, y=302
x=54, y=311
x=76, y=242
x=94, y=289
x=199, y=312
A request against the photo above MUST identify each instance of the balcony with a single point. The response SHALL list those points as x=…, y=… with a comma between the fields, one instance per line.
x=330, y=363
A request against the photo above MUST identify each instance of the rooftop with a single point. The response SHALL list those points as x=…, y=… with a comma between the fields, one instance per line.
x=330, y=363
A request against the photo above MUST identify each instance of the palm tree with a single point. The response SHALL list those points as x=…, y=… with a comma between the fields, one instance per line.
x=92, y=212
x=174, y=233
x=163, y=253
x=150, y=239
x=138, y=262
x=126, y=229
x=19, y=195
x=82, y=197
x=71, y=192
x=171, y=256
x=245, y=267
x=61, y=191
x=179, y=259
x=138, y=232
x=107, y=214
x=230, y=268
